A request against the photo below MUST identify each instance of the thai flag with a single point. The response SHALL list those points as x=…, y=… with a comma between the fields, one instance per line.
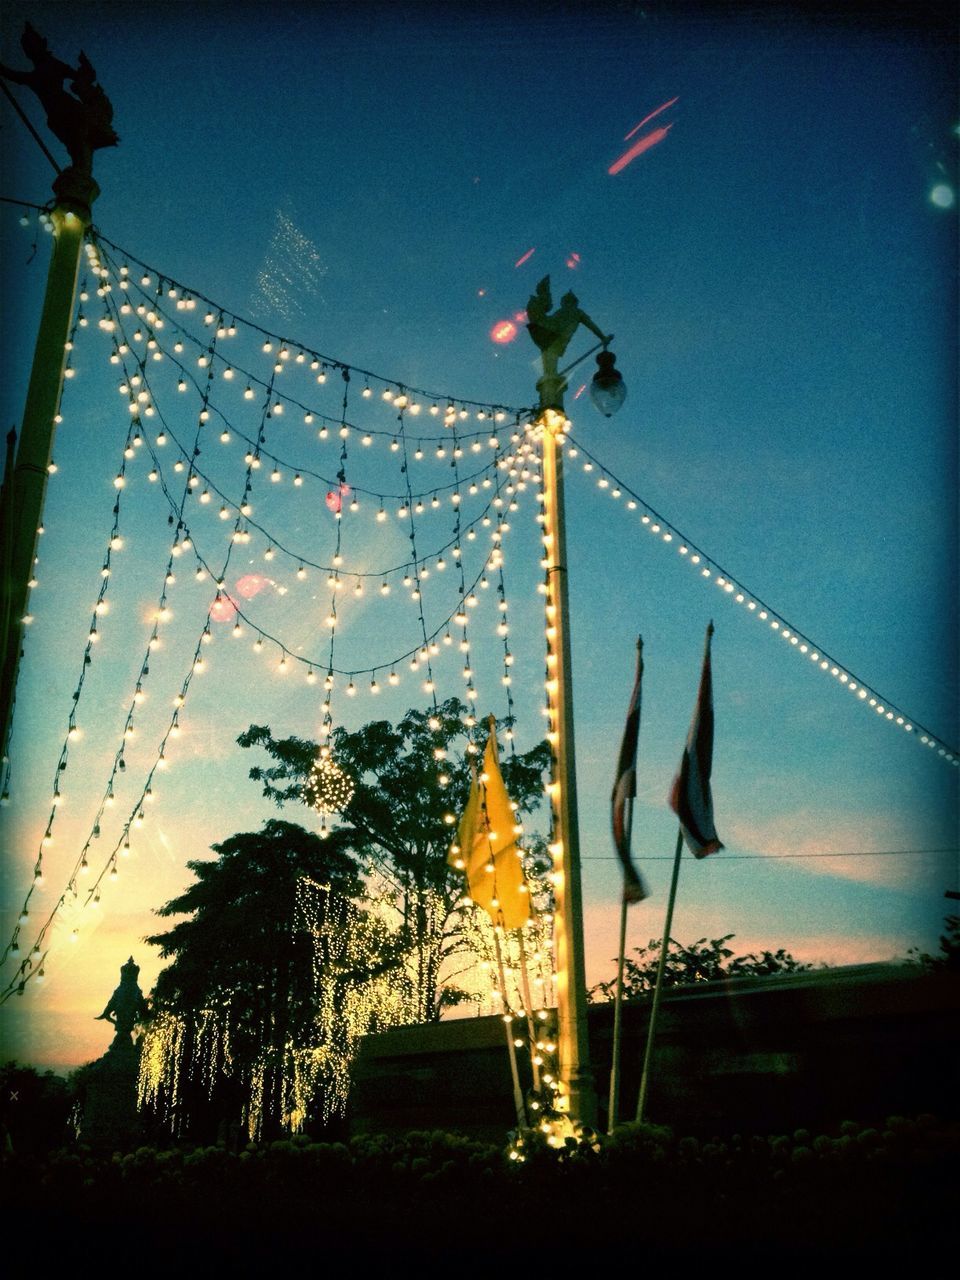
x=690, y=797
x=625, y=787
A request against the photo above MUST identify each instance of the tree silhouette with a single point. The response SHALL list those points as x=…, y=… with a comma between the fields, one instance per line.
x=237, y=1009
x=408, y=779
x=702, y=961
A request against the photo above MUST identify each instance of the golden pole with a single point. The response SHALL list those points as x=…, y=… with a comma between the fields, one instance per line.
x=71, y=216
x=578, y=1096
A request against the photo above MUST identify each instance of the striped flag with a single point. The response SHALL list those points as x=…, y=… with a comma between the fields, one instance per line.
x=625, y=788
x=690, y=797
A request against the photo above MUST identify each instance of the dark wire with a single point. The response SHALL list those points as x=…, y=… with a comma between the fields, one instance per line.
x=773, y=857
x=919, y=728
x=22, y=114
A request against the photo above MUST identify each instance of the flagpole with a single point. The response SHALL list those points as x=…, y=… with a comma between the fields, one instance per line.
x=511, y=1048
x=531, y=1029
x=664, y=947
x=614, y=1106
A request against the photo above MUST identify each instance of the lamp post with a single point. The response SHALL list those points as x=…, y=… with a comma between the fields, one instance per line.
x=552, y=332
x=80, y=117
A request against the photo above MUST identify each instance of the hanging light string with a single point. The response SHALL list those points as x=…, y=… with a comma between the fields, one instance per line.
x=503, y=624
x=115, y=543
x=211, y=488
x=326, y=727
x=344, y=429
x=240, y=533
x=33, y=965
x=278, y=544
x=315, y=663
x=244, y=509
x=301, y=470
x=546, y=518
x=310, y=412
x=709, y=568
x=461, y=617
x=100, y=607
x=485, y=407
x=416, y=590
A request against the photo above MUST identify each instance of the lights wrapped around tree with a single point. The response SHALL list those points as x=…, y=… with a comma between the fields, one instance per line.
x=328, y=789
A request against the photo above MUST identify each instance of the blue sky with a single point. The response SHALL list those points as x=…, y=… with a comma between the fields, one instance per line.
x=782, y=289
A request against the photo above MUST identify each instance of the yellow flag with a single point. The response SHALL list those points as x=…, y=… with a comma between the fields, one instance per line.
x=486, y=846
x=462, y=847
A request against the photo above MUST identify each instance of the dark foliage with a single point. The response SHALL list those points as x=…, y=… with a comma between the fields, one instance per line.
x=860, y=1192
x=947, y=959
x=239, y=955
x=702, y=961
x=35, y=1109
x=397, y=818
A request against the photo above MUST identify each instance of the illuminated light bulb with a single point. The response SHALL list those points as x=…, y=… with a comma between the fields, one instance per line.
x=393, y=678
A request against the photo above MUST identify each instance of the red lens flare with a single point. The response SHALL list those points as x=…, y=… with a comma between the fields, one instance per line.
x=503, y=331
x=646, y=119
x=639, y=148
x=223, y=609
x=573, y=261
x=580, y=391
x=251, y=584
x=336, y=496
x=520, y=317
x=525, y=257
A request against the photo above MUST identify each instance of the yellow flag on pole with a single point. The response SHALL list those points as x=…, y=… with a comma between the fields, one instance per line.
x=486, y=845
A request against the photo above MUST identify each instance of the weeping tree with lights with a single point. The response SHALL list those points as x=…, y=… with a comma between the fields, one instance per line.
x=273, y=978
x=405, y=781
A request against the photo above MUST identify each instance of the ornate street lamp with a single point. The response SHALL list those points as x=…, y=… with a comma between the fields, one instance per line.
x=552, y=331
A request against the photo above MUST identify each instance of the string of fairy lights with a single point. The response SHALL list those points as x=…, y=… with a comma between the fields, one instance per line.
x=733, y=589
x=148, y=318
x=314, y=1071
x=144, y=403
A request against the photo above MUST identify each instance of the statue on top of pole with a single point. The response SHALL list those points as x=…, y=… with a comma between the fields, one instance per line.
x=552, y=332
x=81, y=117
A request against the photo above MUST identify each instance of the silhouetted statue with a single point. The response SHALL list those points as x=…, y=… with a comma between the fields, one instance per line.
x=109, y=1116
x=127, y=1006
x=552, y=333
x=81, y=119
